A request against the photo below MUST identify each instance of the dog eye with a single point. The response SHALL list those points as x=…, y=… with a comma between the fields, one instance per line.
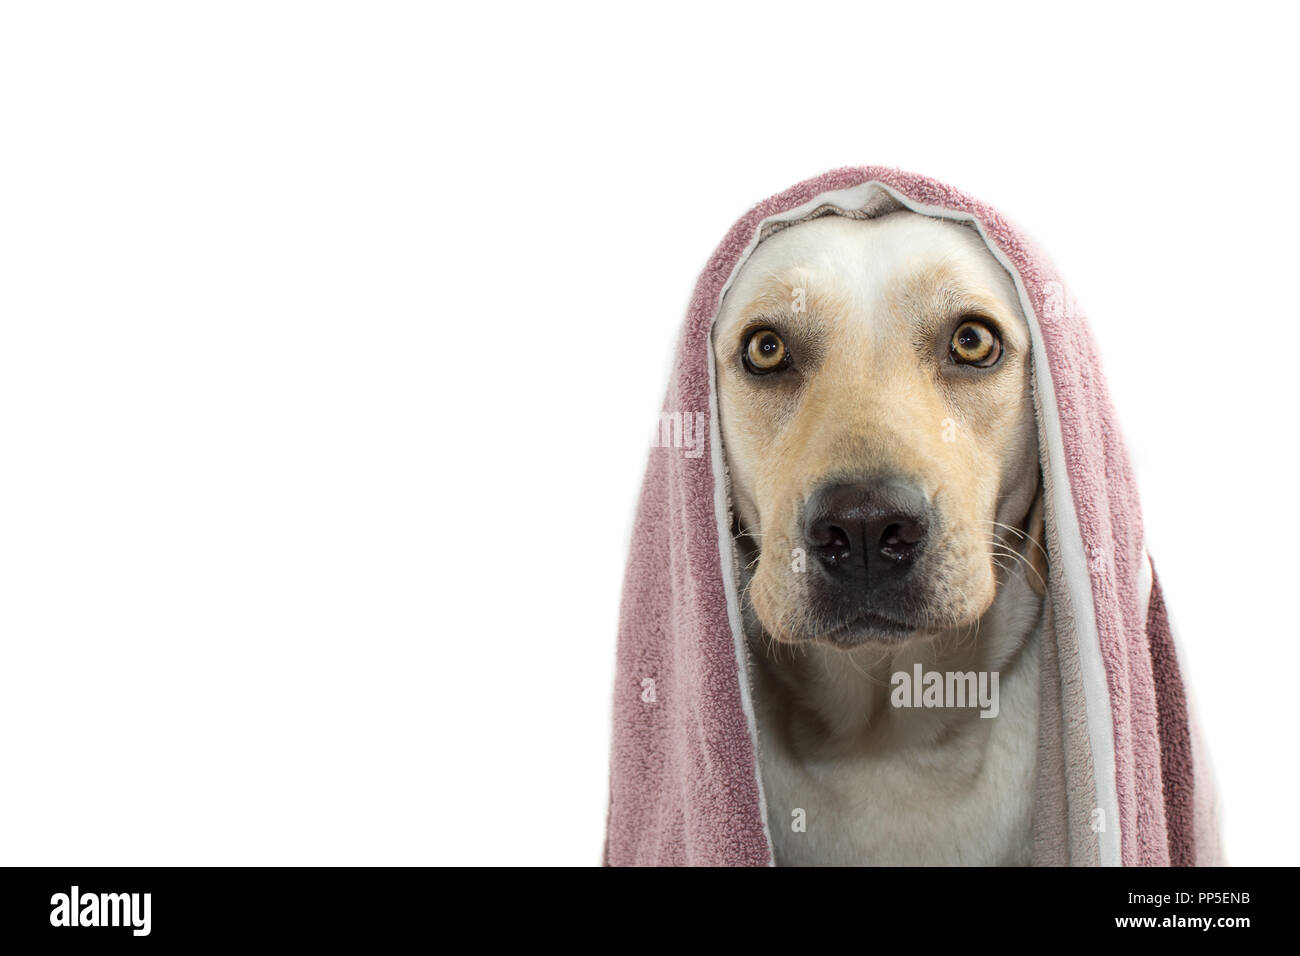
x=975, y=343
x=765, y=352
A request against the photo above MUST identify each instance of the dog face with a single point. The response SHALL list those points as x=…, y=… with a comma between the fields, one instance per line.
x=874, y=392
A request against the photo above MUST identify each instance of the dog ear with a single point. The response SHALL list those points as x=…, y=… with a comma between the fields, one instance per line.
x=1036, y=528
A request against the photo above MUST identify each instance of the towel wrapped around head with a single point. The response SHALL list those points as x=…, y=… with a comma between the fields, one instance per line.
x=1122, y=776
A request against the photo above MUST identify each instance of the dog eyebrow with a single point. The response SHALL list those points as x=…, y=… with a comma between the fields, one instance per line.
x=944, y=291
x=789, y=296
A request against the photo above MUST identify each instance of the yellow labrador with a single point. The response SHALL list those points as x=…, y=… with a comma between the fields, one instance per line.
x=874, y=391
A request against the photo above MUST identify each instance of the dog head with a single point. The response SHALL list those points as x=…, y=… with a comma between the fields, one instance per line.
x=877, y=416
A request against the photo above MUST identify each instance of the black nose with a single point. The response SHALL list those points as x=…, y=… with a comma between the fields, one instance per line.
x=880, y=525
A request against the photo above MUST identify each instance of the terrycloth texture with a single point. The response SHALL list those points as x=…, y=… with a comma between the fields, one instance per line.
x=684, y=787
x=1175, y=734
x=1065, y=790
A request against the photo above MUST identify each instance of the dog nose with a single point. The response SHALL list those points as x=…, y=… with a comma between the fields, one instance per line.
x=879, y=524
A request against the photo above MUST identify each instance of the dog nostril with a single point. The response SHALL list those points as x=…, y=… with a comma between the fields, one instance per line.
x=838, y=549
x=831, y=543
x=905, y=532
x=899, y=539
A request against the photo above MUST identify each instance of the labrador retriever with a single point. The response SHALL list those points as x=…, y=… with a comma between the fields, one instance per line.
x=879, y=432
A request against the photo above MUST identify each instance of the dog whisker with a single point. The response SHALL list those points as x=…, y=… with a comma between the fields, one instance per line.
x=1020, y=533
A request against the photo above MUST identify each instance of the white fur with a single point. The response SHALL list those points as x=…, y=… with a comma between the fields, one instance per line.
x=872, y=783
x=886, y=786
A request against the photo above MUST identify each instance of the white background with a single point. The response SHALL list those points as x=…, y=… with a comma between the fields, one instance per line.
x=333, y=335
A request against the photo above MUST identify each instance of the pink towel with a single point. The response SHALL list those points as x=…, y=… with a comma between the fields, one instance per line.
x=684, y=783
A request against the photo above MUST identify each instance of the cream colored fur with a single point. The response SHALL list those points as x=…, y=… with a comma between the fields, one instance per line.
x=848, y=778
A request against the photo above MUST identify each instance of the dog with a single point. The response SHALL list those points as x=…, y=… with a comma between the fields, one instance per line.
x=878, y=427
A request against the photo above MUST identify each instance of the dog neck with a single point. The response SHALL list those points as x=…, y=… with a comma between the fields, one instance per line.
x=826, y=701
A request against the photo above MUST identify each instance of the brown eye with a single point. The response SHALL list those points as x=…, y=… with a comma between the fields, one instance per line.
x=975, y=343
x=765, y=352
